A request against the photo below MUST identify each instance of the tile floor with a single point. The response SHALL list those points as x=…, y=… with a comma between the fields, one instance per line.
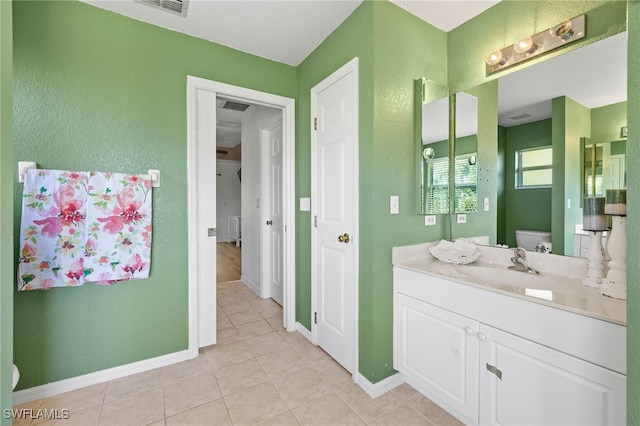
x=257, y=373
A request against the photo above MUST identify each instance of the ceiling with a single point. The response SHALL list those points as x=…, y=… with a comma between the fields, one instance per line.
x=287, y=31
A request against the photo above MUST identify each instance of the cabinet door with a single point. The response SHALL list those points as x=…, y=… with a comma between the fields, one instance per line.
x=437, y=351
x=522, y=382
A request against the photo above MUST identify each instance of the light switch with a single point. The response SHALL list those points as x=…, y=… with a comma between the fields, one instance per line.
x=486, y=204
x=305, y=204
x=430, y=220
x=461, y=218
x=394, y=204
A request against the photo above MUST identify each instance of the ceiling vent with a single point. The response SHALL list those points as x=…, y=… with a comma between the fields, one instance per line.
x=236, y=106
x=520, y=117
x=177, y=7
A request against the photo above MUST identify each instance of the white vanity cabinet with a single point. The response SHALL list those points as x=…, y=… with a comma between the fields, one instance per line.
x=489, y=358
x=438, y=351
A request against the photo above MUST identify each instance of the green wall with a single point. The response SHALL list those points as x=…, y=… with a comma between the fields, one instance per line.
x=94, y=90
x=633, y=225
x=6, y=210
x=570, y=122
x=606, y=122
x=528, y=208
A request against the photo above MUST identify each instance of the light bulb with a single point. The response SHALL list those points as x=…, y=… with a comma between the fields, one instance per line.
x=563, y=31
x=525, y=45
x=495, y=58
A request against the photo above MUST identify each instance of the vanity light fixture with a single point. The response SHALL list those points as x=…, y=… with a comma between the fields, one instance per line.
x=537, y=44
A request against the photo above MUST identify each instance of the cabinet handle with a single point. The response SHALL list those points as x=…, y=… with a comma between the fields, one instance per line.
x=469, y=331
x=482, y=337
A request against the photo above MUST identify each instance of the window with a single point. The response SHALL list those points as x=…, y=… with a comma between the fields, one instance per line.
x=438, y=185
x=534, y=168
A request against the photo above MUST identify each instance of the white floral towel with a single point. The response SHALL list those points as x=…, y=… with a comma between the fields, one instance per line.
x=82, y=227
x=460, y=251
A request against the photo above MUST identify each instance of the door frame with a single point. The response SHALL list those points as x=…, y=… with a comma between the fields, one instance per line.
x=287, y=105
x=265, y=261
x=350, y=67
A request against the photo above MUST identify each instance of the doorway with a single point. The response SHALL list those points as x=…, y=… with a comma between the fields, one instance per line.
x=201, y=113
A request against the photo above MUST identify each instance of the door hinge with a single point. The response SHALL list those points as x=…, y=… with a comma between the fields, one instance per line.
x=315, y=123
x=315, y=317
x=494, y=370
x=315, y=221
x=211, y=232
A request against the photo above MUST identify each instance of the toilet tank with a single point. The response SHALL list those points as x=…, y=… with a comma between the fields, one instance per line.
x=528, y=239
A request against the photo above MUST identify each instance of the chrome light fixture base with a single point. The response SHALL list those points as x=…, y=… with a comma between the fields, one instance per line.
x=535, y=45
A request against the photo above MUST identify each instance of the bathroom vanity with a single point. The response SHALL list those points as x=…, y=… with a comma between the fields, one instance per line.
x=497, y=346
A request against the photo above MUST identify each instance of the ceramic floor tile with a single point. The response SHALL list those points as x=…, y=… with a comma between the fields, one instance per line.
x=284, y=419
x=266, y=344
x=76, y=400
x=254, y=329
x=86, y=417
x=223, y=322
x=223, y=355
x=228, y=335
x=240, y=376
x=300, y=386
x=244, y=318
x=280, y=362
x=432, y=411
x=326, y=410
x=294, y=339
x=132, y=384
x=189, y=393
x=235, y=308
x=366, y=407
x=255, y=404
x=211, y=413
x=402, y=415
x=332, y=373
x=186, y=369
x=140, y=408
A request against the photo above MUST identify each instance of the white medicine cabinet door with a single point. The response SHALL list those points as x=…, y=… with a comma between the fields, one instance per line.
x=522, y=382
x=437, y=351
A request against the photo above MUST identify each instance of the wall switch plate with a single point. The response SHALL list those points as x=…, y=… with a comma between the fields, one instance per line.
x=486, y=204
x=394, y=204
x=461, y=218
x=305, y=204
x=430, y=220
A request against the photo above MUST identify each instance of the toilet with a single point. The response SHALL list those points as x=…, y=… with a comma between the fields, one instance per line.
x=529, y=239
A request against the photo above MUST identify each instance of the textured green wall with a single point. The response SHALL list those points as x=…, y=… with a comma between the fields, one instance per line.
x=570, y=122
x=94, y=90
x=528, y=208
x=633, y=209
x=606, y=122
x=6, y=210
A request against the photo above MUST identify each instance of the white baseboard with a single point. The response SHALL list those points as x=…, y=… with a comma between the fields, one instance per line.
x=255, y=287
x=375, y=390
x=303, y=330
x=73, y=383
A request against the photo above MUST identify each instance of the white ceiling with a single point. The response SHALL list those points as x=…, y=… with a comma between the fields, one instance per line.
x=287, y=31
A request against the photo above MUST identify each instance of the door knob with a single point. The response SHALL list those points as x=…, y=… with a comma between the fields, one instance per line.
x=344, y=238
x=269, y=222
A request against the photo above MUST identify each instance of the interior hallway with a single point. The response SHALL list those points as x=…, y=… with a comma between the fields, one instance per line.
x=228, y=262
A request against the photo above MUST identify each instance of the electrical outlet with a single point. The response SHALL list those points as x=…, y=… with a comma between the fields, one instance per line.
x=461, y=218
x=430, y=220
x=486, y=204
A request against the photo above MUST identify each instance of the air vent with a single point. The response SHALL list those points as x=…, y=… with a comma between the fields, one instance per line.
x=177, y=7
x=520, y=117
x=236, y=106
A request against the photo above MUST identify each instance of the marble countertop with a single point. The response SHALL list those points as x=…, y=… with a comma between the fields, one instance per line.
x=559, y=284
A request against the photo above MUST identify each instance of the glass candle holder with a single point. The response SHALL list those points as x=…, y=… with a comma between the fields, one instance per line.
x=593, y=214
x=616, y=202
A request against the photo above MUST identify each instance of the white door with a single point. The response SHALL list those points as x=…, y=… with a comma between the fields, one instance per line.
x=335, y=213
x=273, y=221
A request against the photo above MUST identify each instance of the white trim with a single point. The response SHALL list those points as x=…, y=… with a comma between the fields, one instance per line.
x=303, y=330
x=350, y=67
x=287, y=105
x=375, y=390
x=73, y=383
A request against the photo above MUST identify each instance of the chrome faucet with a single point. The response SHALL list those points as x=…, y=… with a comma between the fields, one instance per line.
x=520, y=262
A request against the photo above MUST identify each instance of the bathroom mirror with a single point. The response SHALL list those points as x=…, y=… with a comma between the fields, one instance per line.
x=432, y=146
x=604, y=167
x=466, y=153
x=552, y=104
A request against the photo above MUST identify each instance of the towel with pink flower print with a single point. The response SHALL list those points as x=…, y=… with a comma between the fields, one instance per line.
x=82, y=227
